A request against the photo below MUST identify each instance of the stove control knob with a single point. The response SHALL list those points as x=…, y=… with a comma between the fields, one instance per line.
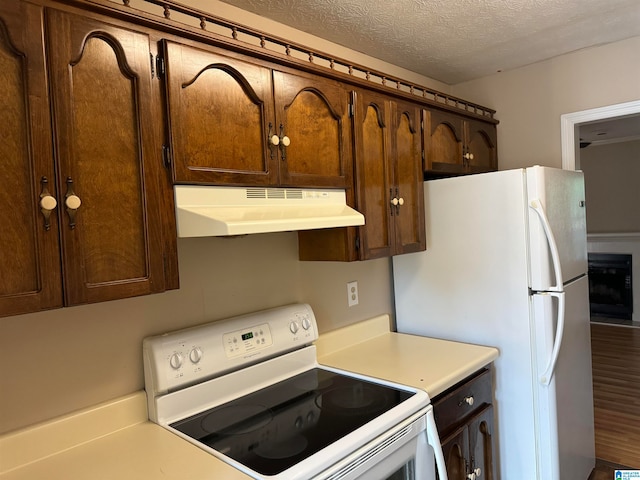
x=175, y=360
x=306, y=323
x=293, y=326
x=195, y=355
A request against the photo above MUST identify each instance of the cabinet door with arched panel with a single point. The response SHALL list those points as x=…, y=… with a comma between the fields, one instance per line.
x=457, y=145
x=220, y=114
x=481, y=444
x=373, y=164
x=30, y=253
x=443, y=138
x=481, y=146
x=408, y=196
x=455, y=449
x=312, y=118
x=107, y=142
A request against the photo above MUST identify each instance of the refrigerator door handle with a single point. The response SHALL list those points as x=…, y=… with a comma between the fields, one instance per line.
x=536, y=206
x=545, y=378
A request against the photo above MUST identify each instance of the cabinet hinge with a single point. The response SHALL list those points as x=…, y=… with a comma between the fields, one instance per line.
x=166, y=156
x=357, y=243
x=153, y=66
x=351, y=110
x=160, y=66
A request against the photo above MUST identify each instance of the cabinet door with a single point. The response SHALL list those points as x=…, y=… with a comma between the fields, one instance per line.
x=312, y=113
x=372, y=120
x=481, y=144
x=455, y=449
x=30, y=253
x=220, y=109
x=108, y=159
x=480, y=444
x=443, y=142
x=407, y=178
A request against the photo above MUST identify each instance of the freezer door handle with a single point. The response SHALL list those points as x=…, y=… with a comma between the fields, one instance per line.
x=537, y=207
x=545, y=378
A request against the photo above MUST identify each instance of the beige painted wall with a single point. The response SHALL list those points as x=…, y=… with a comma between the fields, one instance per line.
x=59, y=361
x=530, y=100
x=611, y=175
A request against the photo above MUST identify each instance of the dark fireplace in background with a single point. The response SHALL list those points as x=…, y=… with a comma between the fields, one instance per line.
x=610, y=285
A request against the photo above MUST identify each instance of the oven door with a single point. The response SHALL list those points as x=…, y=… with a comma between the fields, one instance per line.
x=409, y=451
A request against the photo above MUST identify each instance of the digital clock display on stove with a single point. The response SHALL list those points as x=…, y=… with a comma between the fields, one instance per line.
x=247, y=336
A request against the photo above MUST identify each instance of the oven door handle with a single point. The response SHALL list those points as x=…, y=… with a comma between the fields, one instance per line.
x=434, y=440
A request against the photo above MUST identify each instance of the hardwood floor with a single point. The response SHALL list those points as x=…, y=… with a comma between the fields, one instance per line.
x=616, y=388
x=605, y=470
x=616, y=384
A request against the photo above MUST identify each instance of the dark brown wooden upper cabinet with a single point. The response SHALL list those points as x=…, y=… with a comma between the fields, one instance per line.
x=220, y=116
x=86, y=225
x=374, y=173
x=108, y=159
x=388, y=179
x=482, y=146
x=407, y=200
x=234, y=120
x=456, y=145
x=315, y=143
x=30, y=277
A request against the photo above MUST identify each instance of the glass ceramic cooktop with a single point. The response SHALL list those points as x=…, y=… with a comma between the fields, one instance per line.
x=277, y=427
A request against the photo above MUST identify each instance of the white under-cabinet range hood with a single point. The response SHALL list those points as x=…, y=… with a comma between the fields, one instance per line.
x=208, y=211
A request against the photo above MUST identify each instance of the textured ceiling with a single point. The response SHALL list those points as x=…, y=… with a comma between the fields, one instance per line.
x=457, y=40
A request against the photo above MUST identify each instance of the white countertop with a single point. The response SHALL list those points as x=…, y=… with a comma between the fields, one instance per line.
x=115, y=440
x=107, y=442
x=431, y=364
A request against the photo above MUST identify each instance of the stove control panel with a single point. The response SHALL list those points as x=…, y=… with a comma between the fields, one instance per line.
x=247, y=340
x=186, y=357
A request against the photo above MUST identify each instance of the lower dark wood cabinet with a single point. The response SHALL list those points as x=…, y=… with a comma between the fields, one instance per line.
x=464, y=417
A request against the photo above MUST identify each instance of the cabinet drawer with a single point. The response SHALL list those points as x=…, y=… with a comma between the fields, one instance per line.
x=461, y=401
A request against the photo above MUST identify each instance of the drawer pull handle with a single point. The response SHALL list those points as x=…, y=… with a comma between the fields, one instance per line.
x=477, y=473
x=466, y=401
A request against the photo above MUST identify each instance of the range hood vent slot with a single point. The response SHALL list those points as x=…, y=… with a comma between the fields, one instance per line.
x=262, y=192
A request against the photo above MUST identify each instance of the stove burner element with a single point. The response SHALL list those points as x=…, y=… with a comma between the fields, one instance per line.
x=287, y=448
x=354, y=399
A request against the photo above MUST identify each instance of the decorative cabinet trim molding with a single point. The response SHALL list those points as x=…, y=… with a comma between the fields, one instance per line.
x=204, y=25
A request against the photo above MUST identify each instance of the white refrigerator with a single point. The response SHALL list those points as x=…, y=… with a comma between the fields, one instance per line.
x=506, y=266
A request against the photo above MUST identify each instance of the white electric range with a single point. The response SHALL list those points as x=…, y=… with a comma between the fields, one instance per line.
x=249, y=390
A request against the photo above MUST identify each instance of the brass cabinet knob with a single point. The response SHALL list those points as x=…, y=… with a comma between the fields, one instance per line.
x=48, y=203
x=73, y=202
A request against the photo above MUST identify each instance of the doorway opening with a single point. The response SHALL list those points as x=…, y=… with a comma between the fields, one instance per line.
x=570, y=122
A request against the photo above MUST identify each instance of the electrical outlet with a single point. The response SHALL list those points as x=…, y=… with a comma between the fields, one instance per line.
x=352, y=293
